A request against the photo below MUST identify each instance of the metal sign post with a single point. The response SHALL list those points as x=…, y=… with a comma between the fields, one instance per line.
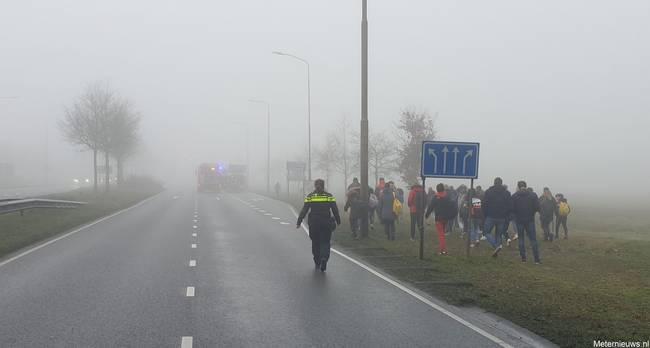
x=450, y=160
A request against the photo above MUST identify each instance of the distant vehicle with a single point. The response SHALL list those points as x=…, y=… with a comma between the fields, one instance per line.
x=210, y=177
x=236, y=178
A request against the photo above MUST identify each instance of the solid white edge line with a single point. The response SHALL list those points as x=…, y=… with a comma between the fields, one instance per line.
x=186, y=342
x=190, y=291
x=426, y=301
x=29, y=251
x=192, y=263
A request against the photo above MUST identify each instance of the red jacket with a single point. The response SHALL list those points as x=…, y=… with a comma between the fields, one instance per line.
x=413, y=205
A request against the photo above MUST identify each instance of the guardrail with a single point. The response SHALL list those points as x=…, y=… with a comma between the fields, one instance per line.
x=25, y=204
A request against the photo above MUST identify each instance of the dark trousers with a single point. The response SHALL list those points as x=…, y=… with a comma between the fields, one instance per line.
x=561, y=220
x=355, y=222
x=546, y=227
x=416, y=220
x=389, y=228
x=320, y=242
x=527, y=229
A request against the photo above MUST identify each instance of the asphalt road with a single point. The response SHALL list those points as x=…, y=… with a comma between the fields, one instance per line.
x=135, y=280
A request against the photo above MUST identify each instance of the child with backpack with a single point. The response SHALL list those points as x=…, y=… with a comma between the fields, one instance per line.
x=446, y=211
x=373, y=202
x=563, y=211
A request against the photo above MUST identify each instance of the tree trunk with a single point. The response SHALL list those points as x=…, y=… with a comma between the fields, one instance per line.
x=95, y=170
x=107, y=177
x=120, y=170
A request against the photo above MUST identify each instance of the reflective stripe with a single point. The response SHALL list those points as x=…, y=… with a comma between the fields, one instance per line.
x=319, y=199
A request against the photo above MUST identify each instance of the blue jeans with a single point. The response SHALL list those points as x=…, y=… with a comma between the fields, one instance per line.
x=500, y=224
x=527, y=228
x=474, y=231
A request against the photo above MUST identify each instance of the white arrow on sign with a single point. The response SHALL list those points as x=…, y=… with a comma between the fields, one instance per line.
x=445, y=150
x=455, y=151
x=432, y=153
x=467, y=155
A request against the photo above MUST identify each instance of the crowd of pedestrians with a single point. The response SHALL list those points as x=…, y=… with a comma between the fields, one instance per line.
x=495, y=215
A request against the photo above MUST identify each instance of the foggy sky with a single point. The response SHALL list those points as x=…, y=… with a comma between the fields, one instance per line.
x=557, y=92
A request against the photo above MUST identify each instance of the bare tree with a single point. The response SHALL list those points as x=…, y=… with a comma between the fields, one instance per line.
x=84, y=121
x=123, y=128
x=344, y=164
x=414, y=128
x=382, y=151
x=326, y=156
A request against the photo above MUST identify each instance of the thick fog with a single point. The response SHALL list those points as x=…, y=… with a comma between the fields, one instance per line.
x=556, y=92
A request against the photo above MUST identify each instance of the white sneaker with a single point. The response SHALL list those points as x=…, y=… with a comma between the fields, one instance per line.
x=483, y=238
x=508, y=242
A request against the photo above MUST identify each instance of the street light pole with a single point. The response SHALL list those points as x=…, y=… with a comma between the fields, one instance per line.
x=308, y=107
x=364, y=118
x=268, y=142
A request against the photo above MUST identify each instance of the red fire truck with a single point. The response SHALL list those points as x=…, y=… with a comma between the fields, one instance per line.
x=210, y=177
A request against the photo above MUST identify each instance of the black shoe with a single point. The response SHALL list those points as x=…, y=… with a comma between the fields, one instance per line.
x=323, y=265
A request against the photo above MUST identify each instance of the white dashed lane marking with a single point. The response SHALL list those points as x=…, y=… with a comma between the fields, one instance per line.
x=190, y=291
x=275, y=218
x=193, y=246
x=194, y=234
x=268, y=214
x=192, y=263
x=284, y=223
x=195, y=226
x=186, y=342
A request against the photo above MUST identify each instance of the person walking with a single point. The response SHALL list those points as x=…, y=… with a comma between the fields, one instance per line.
x=445, y=211
x=547, y=207
x=525, y=206
x=355, y=184
x=497, y=204
x=453, y=196
x=471, y=216
x=416, y=205
x=323, y=219
x=563, y=211
x=277, y=190
x=353, y=203
x=372, y=207
x=386, y=213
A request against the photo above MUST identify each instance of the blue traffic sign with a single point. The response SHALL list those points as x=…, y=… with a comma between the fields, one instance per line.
x=446, y=159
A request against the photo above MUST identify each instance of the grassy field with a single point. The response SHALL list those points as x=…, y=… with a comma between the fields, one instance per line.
x=595, y=285
x=18, y=231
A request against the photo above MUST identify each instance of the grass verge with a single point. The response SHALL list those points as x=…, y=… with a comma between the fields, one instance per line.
x=17, y=232
x=589, y=287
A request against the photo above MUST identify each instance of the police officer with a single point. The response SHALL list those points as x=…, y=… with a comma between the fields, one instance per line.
x=319, y=204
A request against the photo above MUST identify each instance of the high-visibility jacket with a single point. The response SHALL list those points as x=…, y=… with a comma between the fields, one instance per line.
x=320, y=206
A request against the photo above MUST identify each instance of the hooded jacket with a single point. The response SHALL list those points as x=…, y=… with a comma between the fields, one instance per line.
x=438, y=206
x=497, y=202
x=386, y=204
x=547, y=207
x=416, y=199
